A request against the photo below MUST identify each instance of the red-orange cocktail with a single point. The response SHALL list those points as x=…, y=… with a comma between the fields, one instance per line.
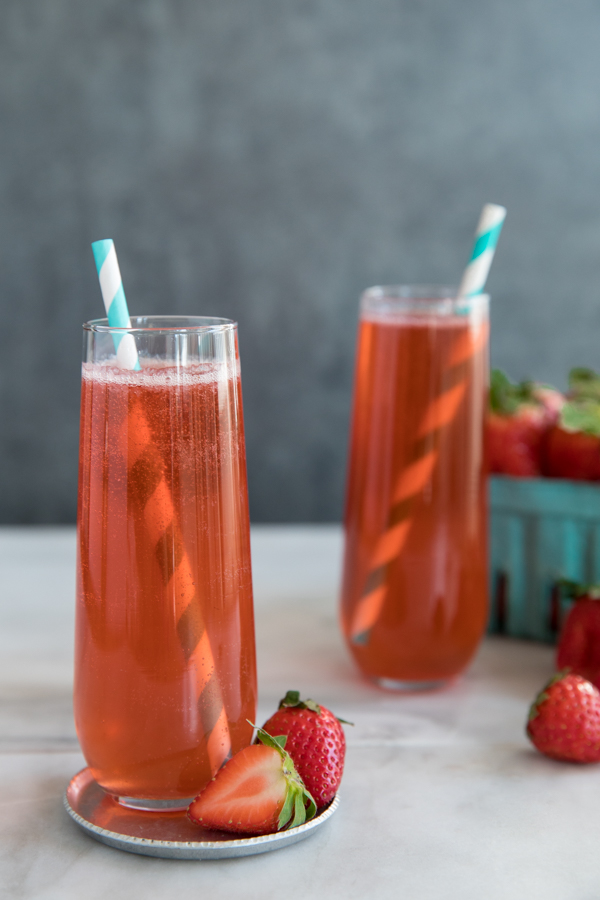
x=165, y=676
x=414, y=600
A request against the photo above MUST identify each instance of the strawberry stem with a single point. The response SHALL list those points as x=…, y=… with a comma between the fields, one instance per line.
x=292, y=701
x=505, y=396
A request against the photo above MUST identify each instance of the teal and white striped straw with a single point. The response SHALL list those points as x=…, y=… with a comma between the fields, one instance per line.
x=115, y=303
x=486, y=238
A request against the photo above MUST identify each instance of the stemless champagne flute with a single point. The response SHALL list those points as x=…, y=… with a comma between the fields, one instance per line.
x=165, y=676
x=414, y=599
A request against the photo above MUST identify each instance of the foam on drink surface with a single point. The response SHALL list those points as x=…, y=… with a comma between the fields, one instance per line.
x=159, y=373
x=395, y=319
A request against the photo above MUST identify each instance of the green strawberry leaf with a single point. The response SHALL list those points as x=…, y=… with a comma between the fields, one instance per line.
x=277, y=743
x=298, y=798
x=581, y=415
x=574, y=590
x=311, y=808
x=292, y=700
x=286, y=812
x=570, y=589
x=299, y=811
x=505, y=396
x=584, y=383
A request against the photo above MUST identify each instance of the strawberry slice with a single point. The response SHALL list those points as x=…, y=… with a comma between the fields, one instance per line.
x=518, y=420
x=257, y=792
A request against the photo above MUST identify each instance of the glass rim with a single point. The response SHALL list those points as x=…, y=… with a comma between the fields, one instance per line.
x=419, y=298
x=178, y=325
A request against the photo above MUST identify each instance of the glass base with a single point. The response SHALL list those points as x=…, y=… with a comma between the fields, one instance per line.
x=391, y=684
x=143, y=803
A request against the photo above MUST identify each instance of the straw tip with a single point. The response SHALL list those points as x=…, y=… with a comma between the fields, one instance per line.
x=494, y=212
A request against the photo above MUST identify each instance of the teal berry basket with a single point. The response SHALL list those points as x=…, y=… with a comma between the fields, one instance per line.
x=542, y=530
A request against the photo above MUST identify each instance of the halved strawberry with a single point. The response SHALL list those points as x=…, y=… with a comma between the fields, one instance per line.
x=257, y=792
x=518, y=420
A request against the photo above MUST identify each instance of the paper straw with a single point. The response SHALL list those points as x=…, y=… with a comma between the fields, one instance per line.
x=115, y=303
x=439, y=414
x=146, y=471
x=486, y=239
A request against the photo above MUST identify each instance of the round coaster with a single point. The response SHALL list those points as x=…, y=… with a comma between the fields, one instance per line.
x=170, y=835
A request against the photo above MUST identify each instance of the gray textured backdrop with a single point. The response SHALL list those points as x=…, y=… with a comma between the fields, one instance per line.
x=266, y=160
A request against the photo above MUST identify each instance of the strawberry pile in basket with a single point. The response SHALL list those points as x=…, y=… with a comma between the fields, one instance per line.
x=533, y=429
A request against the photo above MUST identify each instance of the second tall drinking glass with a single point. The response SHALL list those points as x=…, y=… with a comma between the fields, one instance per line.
x=165, y=677
x=414, y=602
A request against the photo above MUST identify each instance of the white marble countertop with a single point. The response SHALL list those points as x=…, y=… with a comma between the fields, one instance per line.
x=442, y=796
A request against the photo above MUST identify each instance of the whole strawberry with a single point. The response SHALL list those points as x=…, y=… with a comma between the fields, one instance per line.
x=572, y=447
x=572, y=454
x=315, y=741
x=564, y=720
x=579, y=644
x=517, y=423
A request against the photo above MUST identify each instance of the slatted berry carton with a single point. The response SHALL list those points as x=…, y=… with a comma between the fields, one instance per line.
x=542, y=530
x=545, y=506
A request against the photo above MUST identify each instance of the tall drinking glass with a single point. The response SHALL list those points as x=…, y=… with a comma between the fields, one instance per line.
x=165, y=675
x=414, y=597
